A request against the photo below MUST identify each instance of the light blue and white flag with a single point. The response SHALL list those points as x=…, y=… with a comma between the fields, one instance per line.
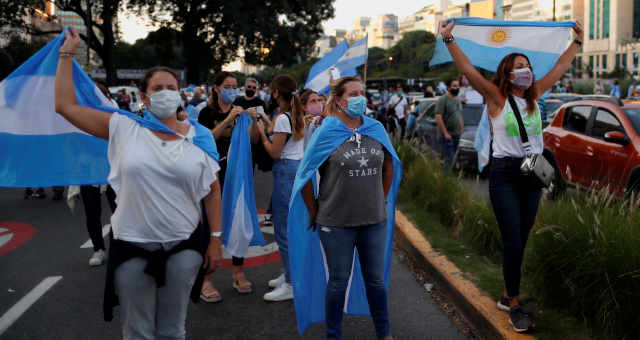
x=240, y=227
x=339, y=62
x=38, y=147
x=487, y=41
x=309, y=270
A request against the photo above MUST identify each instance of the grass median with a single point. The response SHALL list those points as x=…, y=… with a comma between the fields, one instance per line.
x=582, y=266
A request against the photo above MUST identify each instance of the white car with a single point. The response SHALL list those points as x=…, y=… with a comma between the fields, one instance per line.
x=136, y=100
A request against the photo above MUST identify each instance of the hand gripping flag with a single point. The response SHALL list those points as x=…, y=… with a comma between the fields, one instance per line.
x=487, y=41
x=240, y=227
x=38, y=147
x=308, y=266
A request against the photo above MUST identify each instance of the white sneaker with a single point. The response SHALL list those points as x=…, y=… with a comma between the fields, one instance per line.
x=275, y=283
x=97, y=258
x=282, y=293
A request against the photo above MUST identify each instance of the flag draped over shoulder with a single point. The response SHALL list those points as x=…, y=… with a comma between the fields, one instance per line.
x=486, y=42
x=482, y=142
x=341, y=61
x=308, y=265
x=38, y=147
x=240, y=227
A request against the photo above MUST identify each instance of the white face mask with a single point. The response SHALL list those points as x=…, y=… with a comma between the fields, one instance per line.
x=165, y=103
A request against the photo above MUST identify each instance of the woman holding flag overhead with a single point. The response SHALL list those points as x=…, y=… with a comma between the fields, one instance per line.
x=161, y=169
x=514, y=115
x=353, y=210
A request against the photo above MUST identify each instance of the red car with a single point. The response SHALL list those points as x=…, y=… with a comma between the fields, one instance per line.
x=595, y=142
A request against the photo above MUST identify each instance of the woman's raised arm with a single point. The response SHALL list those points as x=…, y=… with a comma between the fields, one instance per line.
x=488, y=90
x=563, y=63
x=89, y=120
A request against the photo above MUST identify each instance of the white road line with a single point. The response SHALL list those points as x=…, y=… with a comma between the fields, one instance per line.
x=105, y=231
x=19, y=308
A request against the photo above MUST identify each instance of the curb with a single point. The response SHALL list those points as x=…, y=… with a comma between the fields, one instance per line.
x=477, y=308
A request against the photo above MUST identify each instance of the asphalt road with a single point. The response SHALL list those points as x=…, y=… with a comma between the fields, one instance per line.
x=49, y=279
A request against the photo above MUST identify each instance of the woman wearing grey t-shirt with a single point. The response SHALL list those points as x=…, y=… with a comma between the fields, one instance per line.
x=350, y=210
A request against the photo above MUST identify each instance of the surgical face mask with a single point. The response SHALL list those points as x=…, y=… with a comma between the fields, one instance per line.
x=165, y=103
x=250, y=93
x=523, y=78
x=356, y=106
x=228, y=95
x=315, y=108
x=454, y=91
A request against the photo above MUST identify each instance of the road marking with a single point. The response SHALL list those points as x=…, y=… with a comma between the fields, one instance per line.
x=14, y=235
x=105, y=231
x=23, y=305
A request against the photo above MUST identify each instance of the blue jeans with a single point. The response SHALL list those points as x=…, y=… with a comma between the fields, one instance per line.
x=338, y=244
x=284, y=173
x=449, y=149
x=515, y=203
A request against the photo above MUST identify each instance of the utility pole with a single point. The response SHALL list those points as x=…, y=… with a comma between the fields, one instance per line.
x=554, y=10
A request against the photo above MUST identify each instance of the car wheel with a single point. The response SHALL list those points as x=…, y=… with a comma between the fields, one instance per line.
x=558, y=185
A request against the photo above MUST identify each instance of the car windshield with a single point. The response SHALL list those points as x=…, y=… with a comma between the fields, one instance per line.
x=472, y=114
x=551, y=107
x=634, y=117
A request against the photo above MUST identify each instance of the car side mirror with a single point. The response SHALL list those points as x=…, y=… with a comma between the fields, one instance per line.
x=616, y=137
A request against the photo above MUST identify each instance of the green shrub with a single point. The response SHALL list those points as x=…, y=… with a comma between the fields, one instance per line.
x=583, y=254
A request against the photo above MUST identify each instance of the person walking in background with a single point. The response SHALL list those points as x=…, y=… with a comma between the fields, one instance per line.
x=398, y=107
x=597, y=87
x=615, y=89
x=514, y=198
x=286, y=148
x=448, y=114
x=250, y=99
x=161, y=171
x=313, y=113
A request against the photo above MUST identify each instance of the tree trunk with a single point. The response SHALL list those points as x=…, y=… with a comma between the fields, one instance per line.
x=108, y=46
x=190, y=52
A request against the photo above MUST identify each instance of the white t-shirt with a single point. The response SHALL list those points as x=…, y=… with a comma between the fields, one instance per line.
x=293, y=149
x=158, y=184
x=399, y=109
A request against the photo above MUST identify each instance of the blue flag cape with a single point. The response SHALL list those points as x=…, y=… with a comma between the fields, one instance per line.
x=71, y=157
x=240, y=227
x=306, y=261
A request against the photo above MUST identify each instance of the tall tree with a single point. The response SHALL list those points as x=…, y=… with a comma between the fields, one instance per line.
x=276, y=32
x=97, y=15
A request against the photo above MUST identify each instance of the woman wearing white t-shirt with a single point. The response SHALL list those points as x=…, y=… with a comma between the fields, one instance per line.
x=159, y=178
x=286, y=148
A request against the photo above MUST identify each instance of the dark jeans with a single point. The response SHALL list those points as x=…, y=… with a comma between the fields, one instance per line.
x=338, y=244
x=92, y=202
x=515, y=203
x=449, y=148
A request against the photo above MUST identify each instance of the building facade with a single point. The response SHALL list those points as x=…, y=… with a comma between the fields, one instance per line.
x=612, y=37
x=383, y=31
x=68, y=18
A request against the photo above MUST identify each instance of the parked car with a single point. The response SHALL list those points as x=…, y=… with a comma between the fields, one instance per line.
x=135, y=105
x=551, y=107
x=595, y=143
x=565, y=97
x=427, y=131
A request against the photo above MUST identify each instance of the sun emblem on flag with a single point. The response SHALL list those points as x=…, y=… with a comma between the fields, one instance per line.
x=499, y=36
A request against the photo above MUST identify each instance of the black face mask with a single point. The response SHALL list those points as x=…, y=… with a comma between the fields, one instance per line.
x=454, y=92
x=250, y=93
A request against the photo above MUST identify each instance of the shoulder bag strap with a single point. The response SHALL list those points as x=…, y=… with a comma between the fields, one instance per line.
x=523, y=131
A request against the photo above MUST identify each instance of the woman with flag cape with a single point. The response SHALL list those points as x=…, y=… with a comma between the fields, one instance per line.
x=516, y=126
x=161, y=169
x=341, y=227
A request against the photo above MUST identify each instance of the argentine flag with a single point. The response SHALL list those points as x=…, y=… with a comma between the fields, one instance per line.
x=38, y=147
x=240, y=227
x=339, y=62
x=487, y=41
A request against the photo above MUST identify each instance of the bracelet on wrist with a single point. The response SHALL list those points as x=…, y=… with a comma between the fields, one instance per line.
x=217, y=234
x=65, y=54
x=578, y=42
x=448, y=39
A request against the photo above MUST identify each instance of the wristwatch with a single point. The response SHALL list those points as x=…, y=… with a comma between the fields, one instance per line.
x=448, y=39
x=216, y=234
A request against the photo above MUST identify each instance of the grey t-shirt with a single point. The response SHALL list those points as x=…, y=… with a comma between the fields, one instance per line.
x=351, y=192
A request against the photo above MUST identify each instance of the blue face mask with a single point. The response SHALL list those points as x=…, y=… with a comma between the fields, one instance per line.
x=228, y=95
x=356, y=106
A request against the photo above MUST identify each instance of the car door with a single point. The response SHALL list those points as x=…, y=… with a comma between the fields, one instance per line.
x=572, y=150
x=611, y=159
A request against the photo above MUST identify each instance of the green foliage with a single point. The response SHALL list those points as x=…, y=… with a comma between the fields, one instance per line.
x=582, y=255
x=299, y=72
x=160, y=47
x=15, y=53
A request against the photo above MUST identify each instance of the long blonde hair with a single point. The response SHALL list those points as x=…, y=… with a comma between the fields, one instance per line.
x=286, y=87
x=337, y=90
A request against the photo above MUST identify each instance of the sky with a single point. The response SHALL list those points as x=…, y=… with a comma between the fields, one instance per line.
x=346, y=12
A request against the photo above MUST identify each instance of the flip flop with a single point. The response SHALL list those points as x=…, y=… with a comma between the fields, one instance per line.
x=209, y=293
x=241, y=289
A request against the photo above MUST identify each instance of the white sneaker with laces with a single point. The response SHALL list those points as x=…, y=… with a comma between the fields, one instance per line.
x=97, y=258
x=282, y=293
x=275, y=283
